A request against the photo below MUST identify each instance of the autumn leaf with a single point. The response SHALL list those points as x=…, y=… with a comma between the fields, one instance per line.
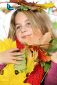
x=53, y=46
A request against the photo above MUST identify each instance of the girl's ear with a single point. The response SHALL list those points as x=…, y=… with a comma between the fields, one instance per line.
x=46, y=38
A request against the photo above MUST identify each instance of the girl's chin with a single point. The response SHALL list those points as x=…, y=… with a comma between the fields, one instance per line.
x=23, y=41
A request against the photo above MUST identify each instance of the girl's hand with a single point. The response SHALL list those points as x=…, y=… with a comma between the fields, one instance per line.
x=10, y=56
x=54, y=57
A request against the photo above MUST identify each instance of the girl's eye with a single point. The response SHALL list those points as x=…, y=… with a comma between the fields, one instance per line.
x=18, y=27
x=28, y=24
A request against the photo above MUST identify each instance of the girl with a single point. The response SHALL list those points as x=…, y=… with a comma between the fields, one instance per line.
x=32, y=28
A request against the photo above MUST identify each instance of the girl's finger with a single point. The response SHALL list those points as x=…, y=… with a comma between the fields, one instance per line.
x=17, y=58
x=16, y=53
x=14, y=62
x=13, y=50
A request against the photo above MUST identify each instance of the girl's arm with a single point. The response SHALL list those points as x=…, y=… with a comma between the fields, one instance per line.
x=51, y=78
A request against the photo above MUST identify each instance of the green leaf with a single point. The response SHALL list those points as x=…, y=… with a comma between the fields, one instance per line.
x=55, y=25
x=47, y=66
x=22, y=65
x=53, y=46
x=24, y=8
x=42, y=64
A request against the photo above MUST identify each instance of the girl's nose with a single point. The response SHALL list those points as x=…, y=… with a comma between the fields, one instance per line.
x=23, y=29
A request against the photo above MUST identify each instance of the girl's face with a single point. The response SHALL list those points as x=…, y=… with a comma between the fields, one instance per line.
x=24, y=30
x=25, y=33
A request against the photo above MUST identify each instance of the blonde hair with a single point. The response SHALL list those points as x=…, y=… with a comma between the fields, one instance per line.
x=38, y=20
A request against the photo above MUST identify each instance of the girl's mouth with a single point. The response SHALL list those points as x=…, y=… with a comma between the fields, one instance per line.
x=25, y=36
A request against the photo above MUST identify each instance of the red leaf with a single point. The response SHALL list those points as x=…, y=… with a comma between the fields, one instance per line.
x=35, y=77
x=19, y=45
x=42, y=56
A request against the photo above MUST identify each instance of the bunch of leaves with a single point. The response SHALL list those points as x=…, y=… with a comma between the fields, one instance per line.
x=32, y=5
x=35, y=6
x=45, y=60
x=52, y=48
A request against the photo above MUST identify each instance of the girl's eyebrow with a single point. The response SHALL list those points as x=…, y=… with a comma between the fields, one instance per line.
x=26, y=20
x=17, y=24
